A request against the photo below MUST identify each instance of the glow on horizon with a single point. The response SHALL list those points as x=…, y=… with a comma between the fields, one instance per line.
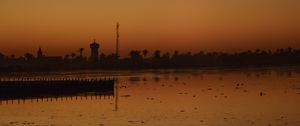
x=63, y=26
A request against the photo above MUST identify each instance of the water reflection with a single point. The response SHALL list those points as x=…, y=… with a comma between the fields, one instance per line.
x=175, y=97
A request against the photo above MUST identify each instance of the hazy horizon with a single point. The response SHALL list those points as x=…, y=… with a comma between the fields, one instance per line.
x=63, y=26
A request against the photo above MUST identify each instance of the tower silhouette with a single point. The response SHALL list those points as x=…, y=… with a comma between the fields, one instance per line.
x=94, y=51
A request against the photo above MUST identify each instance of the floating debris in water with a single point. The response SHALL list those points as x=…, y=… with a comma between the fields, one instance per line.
x=150, y=98
x=238, y=86
x=133, y=121
x=182, y=93
x=16, y=122
x=175, y=78
x=262, y=94
x=125, y=95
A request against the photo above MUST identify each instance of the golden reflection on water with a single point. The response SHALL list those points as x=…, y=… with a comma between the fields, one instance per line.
x=188, y=97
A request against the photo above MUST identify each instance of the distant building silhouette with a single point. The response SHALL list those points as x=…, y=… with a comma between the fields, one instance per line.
x=42, y=57
x=94, y=51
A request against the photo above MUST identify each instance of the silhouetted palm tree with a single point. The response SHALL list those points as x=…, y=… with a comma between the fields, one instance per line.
x=13, y=56
x=28, y=56
x=135, y=55
x=81, y=52
x=67, y=56
x=166, y=56
x=2, y=57
x=156, y=54
x=73, y=55
x=145, y=52
x=175, y=54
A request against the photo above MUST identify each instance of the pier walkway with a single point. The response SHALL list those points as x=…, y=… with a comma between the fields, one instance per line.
x=38, y=87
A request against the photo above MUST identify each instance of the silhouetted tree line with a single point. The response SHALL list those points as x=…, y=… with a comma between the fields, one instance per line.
x=143, y=59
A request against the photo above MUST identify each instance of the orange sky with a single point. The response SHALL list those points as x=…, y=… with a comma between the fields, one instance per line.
x=62, y=26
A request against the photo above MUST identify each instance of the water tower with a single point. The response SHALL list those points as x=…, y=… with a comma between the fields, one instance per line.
x=94, y=51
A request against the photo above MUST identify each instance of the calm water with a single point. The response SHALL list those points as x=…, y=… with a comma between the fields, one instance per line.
x=261, y=97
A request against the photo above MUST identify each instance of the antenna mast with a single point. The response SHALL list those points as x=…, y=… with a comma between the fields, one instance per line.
x=117, y=40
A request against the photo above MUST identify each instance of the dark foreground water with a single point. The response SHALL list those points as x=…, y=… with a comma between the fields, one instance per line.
x=260, y=97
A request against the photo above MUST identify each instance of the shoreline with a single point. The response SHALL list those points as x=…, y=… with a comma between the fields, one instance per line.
x=203, y=68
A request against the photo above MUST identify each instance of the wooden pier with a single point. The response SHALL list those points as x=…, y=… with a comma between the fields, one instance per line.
x=32, y=88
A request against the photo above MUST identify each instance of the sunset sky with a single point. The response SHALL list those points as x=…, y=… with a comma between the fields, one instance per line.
x=63, y=26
